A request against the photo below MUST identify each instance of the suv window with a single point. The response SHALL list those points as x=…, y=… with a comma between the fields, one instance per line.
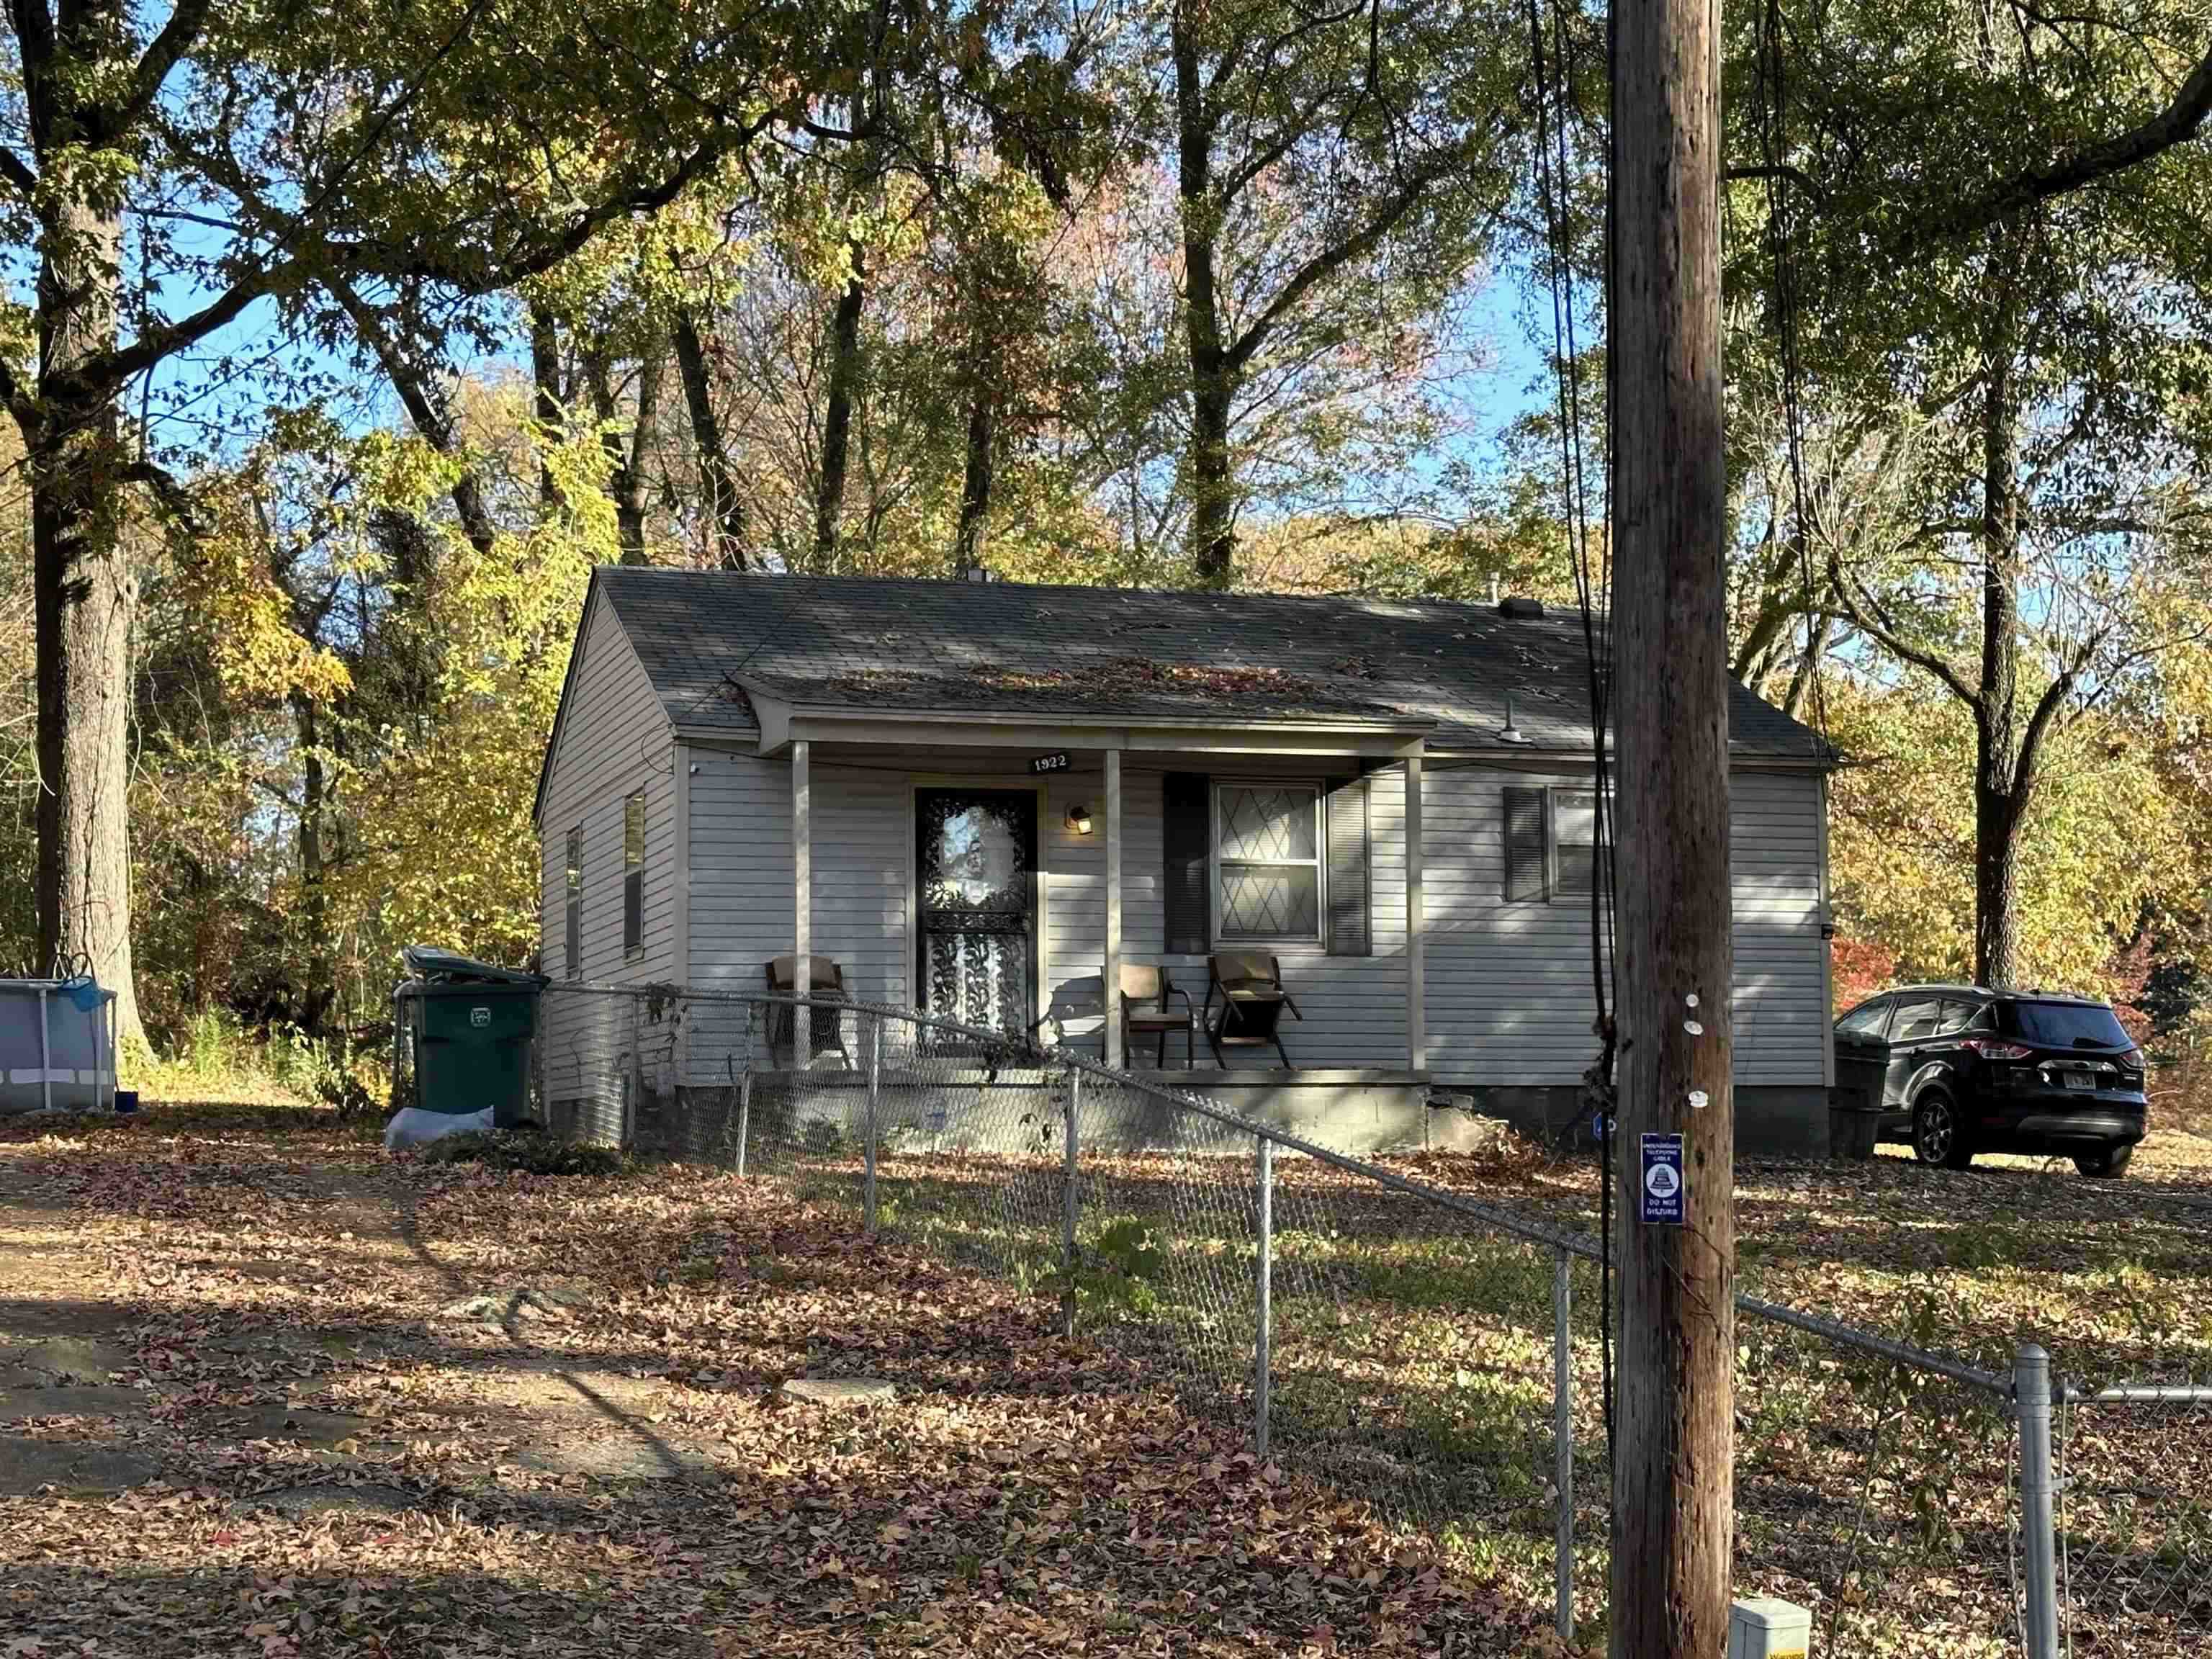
x=1866, y=1020
x=1915, y=1019
x=1963, y=1017
x=2068, y=1025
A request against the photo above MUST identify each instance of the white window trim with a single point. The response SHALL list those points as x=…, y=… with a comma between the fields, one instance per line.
x=1552, y=796
x=1213, y=864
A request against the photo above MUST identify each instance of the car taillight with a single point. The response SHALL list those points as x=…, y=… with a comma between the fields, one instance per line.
x=2135, y=1061
x=1991, y=1048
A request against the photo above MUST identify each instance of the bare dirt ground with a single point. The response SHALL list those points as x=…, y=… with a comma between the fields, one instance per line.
x=264, y=1391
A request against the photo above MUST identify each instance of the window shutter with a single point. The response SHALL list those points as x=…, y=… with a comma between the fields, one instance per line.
x=1350, y=931
x=1524, y=846
x=1186, y=827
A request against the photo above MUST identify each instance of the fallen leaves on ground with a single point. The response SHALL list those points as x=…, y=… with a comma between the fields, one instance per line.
x=365, y=1446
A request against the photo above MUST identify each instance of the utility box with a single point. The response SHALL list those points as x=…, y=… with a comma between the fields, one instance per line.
x=1766, y=1628
x=462, y=1035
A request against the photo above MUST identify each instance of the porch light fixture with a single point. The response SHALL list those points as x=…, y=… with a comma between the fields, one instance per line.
x=1079, y=820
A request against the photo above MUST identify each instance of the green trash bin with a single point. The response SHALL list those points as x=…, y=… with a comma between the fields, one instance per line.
x=471, y=1027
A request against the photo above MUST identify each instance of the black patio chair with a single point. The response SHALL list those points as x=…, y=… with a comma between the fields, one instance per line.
x=1250, y=985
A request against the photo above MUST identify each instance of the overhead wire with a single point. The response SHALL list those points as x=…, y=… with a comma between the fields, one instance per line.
x=1552, y=73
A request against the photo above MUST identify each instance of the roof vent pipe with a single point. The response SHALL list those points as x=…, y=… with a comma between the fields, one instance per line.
x=1509, y=733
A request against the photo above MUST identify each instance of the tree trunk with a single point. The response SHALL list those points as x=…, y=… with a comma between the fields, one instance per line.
x=1673, y=1482
x=975, y=485
x=86, y=601
x=1212, y=388
x=837, y=411
x=2002, y=782
x=626, y=463
x=726, y=511
x=319, y=988
x=545, y=373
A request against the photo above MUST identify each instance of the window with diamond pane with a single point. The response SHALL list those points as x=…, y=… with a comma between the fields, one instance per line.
x=1267, y=854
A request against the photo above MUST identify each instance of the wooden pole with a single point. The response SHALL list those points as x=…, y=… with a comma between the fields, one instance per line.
x=1674, y=1485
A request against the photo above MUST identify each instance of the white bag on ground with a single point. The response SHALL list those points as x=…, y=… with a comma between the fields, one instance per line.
x=411, y=1125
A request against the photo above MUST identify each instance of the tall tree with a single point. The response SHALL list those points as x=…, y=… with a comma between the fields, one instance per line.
x=1999, y=286
x=369, y=123
x=1379, y=132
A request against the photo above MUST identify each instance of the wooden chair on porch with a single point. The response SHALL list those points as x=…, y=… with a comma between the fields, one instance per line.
x=1250, y=984
x=1147, y=995
x=825, y=983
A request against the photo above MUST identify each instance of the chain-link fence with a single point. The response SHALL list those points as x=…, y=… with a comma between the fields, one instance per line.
x=1404, y=1345
x=2134, y=1516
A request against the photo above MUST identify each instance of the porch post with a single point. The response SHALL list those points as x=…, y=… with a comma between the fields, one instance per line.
x=1110, y=990
x=1417, y=991
x=802, y=871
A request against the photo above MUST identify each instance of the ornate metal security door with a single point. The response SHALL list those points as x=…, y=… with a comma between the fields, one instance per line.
x=976, y=868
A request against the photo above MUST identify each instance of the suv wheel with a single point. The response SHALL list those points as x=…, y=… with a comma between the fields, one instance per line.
x=1938, y=1135
x=2106, y=1163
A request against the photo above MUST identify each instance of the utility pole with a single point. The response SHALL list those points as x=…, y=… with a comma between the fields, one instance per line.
x=1673, y=1473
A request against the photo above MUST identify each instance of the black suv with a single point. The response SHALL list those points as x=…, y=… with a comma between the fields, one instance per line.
x=1957, y=1069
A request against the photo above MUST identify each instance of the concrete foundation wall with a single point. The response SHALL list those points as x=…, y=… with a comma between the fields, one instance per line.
x=1772, y=1120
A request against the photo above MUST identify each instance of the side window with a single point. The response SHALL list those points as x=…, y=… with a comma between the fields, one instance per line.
x=1575, y=872
x=1867, y=1020
x=1916, y=1019
x=571, y=932
x=1961, y=1017
x=1980, y=1017
x=634, y=874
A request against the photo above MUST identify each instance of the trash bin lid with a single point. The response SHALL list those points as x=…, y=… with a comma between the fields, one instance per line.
x=434, y=966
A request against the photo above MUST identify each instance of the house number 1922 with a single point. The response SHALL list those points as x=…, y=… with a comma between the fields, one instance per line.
x=1050, y=762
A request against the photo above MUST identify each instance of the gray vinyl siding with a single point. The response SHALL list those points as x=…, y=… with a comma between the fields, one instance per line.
x=614, y=738
x=1510, y=998
x=1354, y=1006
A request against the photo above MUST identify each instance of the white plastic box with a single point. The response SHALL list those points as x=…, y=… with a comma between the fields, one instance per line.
x=1767, y=1628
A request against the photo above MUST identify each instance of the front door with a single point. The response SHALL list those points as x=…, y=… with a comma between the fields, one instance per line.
x=975, y=866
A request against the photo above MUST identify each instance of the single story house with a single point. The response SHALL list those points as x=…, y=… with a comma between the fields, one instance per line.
x=981, y=799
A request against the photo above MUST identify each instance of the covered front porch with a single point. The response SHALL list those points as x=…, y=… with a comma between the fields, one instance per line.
x=1005, y=874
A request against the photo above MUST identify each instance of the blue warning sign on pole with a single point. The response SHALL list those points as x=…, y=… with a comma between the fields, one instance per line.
x=1663, y=1180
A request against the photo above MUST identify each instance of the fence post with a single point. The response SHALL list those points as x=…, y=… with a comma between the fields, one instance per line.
x=46, y=1057
x=1562, y=1437
x=875, y=1084
x=1264, y=1339
x=2030, y=1387
x=1068, y=1207
x=746, y=1091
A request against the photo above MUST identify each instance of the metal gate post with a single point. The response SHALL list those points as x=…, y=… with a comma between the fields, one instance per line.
x=746, y=1091
x=1265, y=1340
x=1068, y=1207
x=1563, y=1438
x=2031, y=1388
x=875, y=1085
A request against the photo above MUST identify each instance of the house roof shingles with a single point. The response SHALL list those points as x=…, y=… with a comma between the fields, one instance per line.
x=1076, y=652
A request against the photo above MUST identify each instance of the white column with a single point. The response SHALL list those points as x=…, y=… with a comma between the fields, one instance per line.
x=1112, y=987
x=802, y=875
x=1417, y=988
x=680, y=930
